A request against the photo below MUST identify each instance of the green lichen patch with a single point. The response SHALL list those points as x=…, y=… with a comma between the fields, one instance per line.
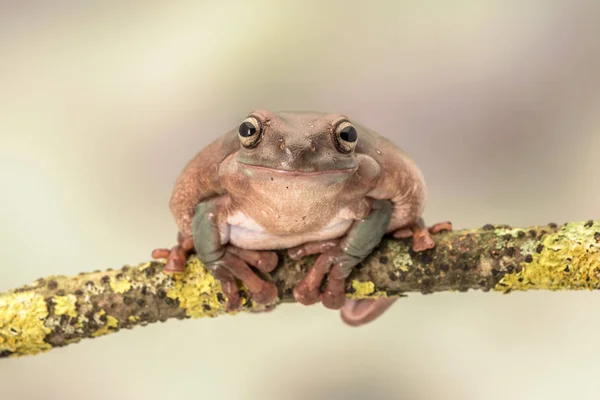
x=514, y=232
x=528, y=247
x=197, y=291
x=566, y=259
x=22, y=329
x=402, y=259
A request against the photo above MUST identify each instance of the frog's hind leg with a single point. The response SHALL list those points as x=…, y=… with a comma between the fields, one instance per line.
x=421, y=234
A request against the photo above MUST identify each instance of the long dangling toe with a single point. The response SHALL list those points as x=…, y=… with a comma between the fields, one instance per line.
x=363, y=311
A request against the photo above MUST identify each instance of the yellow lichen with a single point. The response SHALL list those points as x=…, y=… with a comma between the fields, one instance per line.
x=364, y=290
x=22, y=317
x=133, y=318
x=141, y=267
x=120, y=285
x=569, y=259
x=111, y=323
x=196, y=290
x=65, y=305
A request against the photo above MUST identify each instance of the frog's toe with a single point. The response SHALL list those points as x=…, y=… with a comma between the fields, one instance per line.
x=176, y=260
x=157, y=254
x=334, y=295
x=363, y=311
x=311, y=248
x=267, y=294
x=229, y=287
x=440, y=227
x=268, y=261
x=422, y=237
x=333, y=299
x=422, y=241
x=261, y=291
x=177, y=256
x=307, y=292
x=264, y=261
x=306, y=295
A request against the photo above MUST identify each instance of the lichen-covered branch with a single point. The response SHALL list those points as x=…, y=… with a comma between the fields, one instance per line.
x=60, y=310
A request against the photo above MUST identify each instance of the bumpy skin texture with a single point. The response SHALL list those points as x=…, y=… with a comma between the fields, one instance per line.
x=299, y=181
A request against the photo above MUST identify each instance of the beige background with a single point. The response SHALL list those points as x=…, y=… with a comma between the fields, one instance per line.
x=102, y=104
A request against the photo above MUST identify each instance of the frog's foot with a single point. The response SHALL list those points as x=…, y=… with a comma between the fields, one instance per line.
x=334, y=295
x=229, y=287
x=311, y=248
x=363, y=311
x=308, y=291
x=261, y=291
x=421, y=235
x=264, y=261
x=339, y=265
x=176, y=256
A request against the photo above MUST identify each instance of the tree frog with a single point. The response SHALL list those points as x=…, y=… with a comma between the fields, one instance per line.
x=306, y=182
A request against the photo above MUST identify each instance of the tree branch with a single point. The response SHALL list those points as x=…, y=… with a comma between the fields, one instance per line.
x=60, y=310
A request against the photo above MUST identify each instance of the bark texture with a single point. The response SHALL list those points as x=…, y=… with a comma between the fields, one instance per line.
x=61, y=310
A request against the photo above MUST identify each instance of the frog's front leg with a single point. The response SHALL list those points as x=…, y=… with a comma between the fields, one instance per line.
x=215, y=255
x=227, y=262
x=338, y=261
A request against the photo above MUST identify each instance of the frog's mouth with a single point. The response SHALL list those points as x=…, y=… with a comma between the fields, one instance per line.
x=291, y=173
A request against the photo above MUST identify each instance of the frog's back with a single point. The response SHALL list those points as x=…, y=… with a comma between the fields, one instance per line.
x=373, y=144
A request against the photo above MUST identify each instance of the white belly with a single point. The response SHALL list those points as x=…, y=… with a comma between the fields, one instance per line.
x=242, y=231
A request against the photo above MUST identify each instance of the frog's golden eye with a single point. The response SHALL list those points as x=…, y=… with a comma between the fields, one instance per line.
x=346, y=137
x=250, y=132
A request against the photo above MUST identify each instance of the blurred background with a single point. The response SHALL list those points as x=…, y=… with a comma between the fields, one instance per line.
x=102, y=103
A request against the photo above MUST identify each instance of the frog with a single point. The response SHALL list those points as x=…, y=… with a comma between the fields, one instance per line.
x=306, y=182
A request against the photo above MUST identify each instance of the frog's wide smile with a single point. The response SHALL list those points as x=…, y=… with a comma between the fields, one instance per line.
x=288, y=172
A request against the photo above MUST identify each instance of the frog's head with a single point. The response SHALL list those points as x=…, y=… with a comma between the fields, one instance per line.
x=297, y=143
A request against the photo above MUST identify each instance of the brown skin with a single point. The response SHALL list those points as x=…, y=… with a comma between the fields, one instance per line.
x=297, y=181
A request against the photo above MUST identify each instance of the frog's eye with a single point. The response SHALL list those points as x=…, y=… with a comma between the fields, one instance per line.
x=249, y=132
x=346, y=137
